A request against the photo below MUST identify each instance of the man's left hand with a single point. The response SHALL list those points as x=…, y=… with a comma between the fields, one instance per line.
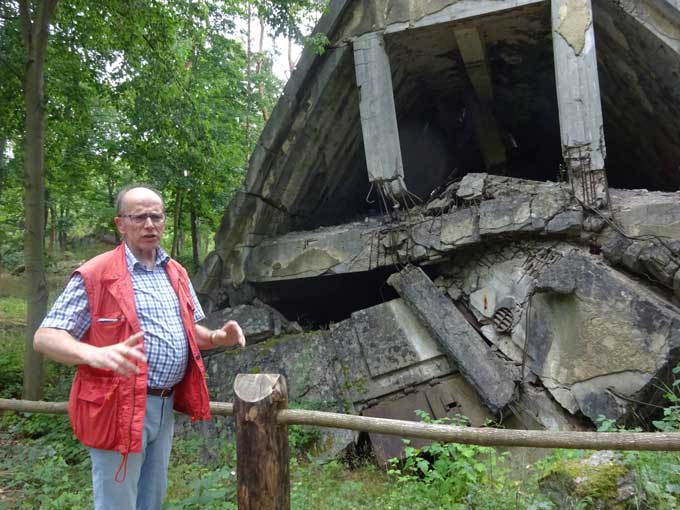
x=228, y=335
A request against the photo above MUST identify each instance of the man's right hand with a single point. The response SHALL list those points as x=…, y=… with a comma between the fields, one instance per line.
x=119, y=357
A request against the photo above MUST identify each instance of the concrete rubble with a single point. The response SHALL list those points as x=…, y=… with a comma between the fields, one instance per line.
x=439, y=232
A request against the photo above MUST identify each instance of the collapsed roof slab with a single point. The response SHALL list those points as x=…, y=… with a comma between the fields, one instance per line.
x=512, y=206
x=492, y=377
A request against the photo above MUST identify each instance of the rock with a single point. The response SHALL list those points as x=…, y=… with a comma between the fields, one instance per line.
x=614, y=245
x=569, y=221
x=602, y=478
x=259, y=322
x=471, y=187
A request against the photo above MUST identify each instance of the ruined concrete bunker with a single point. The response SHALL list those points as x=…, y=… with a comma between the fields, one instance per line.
x=465, y=207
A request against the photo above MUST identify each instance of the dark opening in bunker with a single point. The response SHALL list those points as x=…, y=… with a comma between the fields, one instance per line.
x=317, y=302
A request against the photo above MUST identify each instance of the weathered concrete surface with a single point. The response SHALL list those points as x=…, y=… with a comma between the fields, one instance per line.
x=508, y=206
x=306, y=363
x=259, y=321
x=385, y=349
x=578, y=99
x=607, y=317
x=646, y=237
x=394, y=16
x=639, y=63
x=594, y=337
x=489, y=375
x=378, y=114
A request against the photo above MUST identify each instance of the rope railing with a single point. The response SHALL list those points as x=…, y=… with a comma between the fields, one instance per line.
x=261, y=416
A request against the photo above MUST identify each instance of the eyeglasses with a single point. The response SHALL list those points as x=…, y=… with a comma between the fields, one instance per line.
x=140, y=219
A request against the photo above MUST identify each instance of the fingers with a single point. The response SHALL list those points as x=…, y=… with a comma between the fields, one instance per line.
x=121, y=357
x=134, y=339
x=234, y=333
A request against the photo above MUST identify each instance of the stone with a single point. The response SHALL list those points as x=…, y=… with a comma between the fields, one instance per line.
x=471, y=187
x=382, y=350
x=602, y=477
x=491, y=377
x=259, y=322
x=569, y=221
x=460, y=228
x=614, y=245
x=504, y=215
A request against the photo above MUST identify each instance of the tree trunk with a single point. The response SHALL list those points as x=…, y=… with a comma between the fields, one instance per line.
x=3, y=164
x=174, y=251
x=195, y=239
x=112, y=202
x=35, y=32
x=53, y=229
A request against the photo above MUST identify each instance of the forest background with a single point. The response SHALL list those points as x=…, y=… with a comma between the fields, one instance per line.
x=96, y=95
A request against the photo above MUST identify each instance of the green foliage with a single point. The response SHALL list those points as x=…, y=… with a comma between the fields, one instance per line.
x=318, y=43
x=671, y=414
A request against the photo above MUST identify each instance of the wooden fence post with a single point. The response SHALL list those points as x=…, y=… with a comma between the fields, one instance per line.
x=262, y=453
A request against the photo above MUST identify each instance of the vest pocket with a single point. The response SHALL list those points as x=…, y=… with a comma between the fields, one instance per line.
x=96, y=412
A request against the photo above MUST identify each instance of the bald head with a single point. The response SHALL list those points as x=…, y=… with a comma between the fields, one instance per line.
x=134, y=193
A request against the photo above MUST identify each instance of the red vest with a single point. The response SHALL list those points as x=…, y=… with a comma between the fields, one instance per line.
x=106, y=409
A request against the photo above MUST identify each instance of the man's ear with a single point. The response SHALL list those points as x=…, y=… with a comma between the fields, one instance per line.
x=119, y=225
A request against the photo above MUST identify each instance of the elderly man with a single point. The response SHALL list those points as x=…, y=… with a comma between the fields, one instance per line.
x=127, y=319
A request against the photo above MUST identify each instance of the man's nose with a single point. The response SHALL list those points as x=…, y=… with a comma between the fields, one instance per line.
x=148, y=222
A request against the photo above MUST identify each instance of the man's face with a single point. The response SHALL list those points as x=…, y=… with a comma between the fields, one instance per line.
x=143, y=237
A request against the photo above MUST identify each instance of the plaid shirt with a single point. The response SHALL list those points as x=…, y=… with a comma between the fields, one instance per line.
x=165, y=342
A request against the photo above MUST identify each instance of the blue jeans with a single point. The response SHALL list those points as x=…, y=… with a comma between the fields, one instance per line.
x=146, y=473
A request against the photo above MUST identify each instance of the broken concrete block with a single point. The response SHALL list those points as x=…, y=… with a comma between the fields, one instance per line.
x=566, y=222
x=608, y=316
x=614, y=245
x=505, y=215
x=459, y=228
x=535, y=409
x=471, y=187
x=557, y=278
x=259, y=322
x=383, y=349
x=492, y=378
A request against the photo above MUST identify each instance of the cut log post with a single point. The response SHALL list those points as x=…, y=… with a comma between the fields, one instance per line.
x=262, y=453
x=492, y=377
x=378, y=113
x=578, y=100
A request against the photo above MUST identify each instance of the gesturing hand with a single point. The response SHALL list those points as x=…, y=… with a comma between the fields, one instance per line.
x=118, y=357
x=229, y=334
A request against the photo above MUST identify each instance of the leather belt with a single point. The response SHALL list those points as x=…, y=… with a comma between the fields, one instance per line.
x=159, y=392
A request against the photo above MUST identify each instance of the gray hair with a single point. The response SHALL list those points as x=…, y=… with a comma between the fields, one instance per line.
x=123, y=192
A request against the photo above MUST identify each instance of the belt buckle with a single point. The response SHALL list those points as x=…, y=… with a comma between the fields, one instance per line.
x=165, y=392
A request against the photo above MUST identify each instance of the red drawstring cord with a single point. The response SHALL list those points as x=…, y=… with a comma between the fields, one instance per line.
x=123, y=466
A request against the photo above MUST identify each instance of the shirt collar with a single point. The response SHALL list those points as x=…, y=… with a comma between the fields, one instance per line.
x=161, y=258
